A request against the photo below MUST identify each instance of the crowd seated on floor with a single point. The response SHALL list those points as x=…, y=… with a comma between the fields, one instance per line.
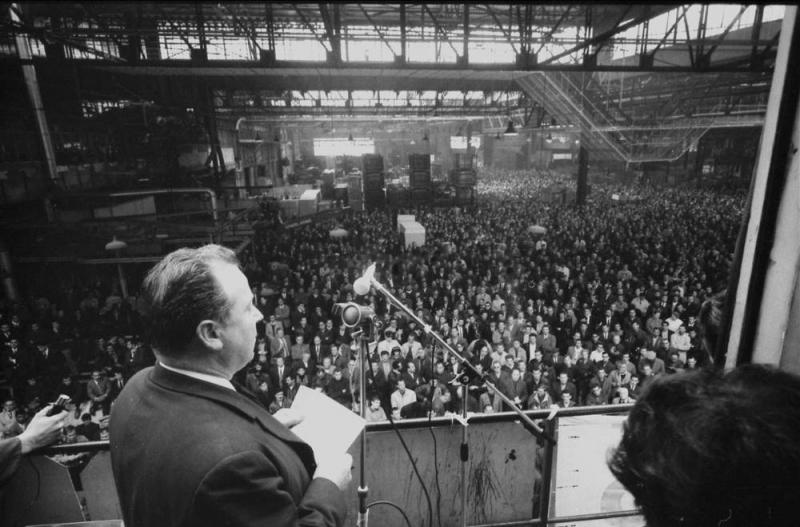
x=587, y=311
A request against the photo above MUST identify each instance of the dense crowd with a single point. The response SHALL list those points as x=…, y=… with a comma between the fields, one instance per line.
x=589, y=312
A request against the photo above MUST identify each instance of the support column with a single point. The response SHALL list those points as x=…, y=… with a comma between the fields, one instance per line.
x=7, y=274
x=32, y=85
x=764, y=293
x=583, y=169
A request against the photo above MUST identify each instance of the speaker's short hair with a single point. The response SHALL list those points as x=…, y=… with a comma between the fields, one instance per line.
x=179, y=292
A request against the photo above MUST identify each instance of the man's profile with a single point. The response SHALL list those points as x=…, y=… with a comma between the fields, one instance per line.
x=703, y=448
x=187, y=446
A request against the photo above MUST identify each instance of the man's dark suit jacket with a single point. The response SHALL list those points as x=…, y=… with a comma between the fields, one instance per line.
x=190, y=453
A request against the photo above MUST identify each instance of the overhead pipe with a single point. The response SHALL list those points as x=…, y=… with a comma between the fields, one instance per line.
x=188, y=190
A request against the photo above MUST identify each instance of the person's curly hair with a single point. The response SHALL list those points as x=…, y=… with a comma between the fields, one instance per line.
x=711, y=449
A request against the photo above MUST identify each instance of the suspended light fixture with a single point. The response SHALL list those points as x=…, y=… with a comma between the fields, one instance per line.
x=510, y=130
x=350, y=137
x=549, y=138
x=425, y=137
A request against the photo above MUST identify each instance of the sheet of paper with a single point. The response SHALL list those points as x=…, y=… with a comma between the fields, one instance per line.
x=327, y=426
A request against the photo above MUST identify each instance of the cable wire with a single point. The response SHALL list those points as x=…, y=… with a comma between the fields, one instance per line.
x=391, y=504
x=416, y=470
x=435, y=448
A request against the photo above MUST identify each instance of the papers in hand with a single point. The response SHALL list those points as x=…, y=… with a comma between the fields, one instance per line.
x=327, y=426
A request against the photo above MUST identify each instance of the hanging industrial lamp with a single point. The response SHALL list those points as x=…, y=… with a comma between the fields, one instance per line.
x=510, y=130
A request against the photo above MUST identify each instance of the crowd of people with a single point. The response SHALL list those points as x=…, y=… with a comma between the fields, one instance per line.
x=588, y=310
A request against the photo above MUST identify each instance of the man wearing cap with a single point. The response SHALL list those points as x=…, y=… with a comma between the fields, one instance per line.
x=223, y=459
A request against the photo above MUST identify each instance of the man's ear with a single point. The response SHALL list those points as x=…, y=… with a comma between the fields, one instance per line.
x=208, y=332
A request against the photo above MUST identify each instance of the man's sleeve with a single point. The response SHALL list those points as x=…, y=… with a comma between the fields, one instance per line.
x=245, y=489
x=10, y=454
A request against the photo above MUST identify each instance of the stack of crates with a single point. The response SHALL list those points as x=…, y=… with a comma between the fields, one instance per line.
x=372, y=169
x=463, y=177
x=355, y=197
x=419, y=168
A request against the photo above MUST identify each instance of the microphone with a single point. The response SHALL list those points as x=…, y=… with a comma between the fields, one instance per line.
x=352, y=313
x=361, y=285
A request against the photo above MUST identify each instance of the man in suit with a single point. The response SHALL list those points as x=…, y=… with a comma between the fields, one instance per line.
x=279, y=372
x=299, y=349
x=98, y=390
x=223, y=459
x=279, y=345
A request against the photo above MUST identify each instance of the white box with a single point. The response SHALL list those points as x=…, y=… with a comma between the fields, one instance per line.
x=404, y=218
x=413, y=234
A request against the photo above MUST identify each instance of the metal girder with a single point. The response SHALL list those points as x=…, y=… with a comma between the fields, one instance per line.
x=671, y=30
x=310, y=27
x=525, y=24
x=688, y=34
x=602, y=37
x=403, y=32
x=620, y=19
x=502, y=29
x=333, y=29
x=554, y=29
x=177, y=30
x=439, y=28
x=757, y=21
x=270, y=19
x=725, y=33
x=201, y=28
x=465, y=53
x=19, y=26
x=250, y=32
x=100, y=23
x=377, y=29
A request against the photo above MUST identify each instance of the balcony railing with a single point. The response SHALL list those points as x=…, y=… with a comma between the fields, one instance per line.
x=510, y=478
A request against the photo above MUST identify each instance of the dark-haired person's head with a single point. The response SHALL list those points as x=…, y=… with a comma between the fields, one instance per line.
x=199, y=309
x=709, y=321
x=704, y=448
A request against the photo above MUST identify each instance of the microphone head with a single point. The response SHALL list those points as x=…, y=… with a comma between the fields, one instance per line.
x=361, y=286
x=351, y=314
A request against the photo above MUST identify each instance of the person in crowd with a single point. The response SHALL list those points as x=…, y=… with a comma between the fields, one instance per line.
x=338, y=389
x=88, y=428
x=42, y=430
x=98, y=391
x=708, y=448
x=375, y=411
x=280, y=402
x=540, y=399
x=402, y=399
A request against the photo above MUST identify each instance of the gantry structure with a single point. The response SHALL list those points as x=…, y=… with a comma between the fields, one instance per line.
x=640, y=82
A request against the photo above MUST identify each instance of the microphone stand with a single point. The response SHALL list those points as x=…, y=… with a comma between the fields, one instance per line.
x=363, y=490
x=529, y=424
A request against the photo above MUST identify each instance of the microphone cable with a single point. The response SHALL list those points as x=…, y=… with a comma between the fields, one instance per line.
x=435, y=449
x=416, y=469
x=391, y=504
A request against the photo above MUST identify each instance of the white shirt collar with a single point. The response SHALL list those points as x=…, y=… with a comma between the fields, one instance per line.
x=205, y=377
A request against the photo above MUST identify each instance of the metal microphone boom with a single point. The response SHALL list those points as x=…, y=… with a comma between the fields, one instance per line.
x=530, y=425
